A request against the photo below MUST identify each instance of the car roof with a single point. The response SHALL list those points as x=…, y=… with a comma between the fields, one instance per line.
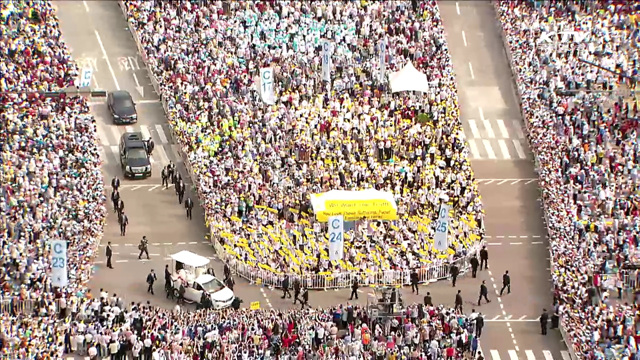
x=189, y=258
x=133, y=139
x=121, y=94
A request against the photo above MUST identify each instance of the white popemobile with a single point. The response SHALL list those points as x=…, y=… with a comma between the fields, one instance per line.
x=190, y=270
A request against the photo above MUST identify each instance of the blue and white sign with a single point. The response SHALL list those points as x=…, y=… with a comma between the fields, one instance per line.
x=85, y=77
x=383, y=56
x=266, y=86
x=326, y=60
x=336, y=237
x=442, y=228
x=59, y=276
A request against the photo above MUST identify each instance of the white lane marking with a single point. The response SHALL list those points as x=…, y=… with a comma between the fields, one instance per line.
x=519, y=150
x=508, y=318
x=86, y=6
x=530, y=181
x=515, y=182
x=536, y=243
x=136, y=187
x=129, y=129
x=473, y=76
x=487, y=126
x=153, y=187
x=102, y=135
x=513, y=355
x=519, y=132
x=464, y=38
x=502, y=128
x=122, y=261
x=481, y=113
x=495, y=355
x=474, y=129
x=457, y=8
x=503, y=181
x=115, y=152
x=160, y=154
x=522, y=317
x=504, y=149
x=565, y=355
x=494, y=244
x=148, y=101
x=474, y=149
x=115, y=131
x=161, y=135
x=547, y=355
x=489, y=149
x=500, y=236
x=106, y=58
x=515, y=243
x=145, y=132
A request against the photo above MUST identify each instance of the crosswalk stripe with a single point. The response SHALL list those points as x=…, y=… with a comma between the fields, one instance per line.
x=115, y=152
x=146, y=135
x=163, y=137
x=475, y=153
x=519, y=149
x=513, y=355
x=504, y=149
x=518, y=128
x=487, y=126
x=547, y=355
x=565, y=355
x=530, y=355
x=130, y=129
x=175, y=148
x=495, y=355
x=115, y=131
x=474, y=129
x=503, y=128
x=489, y=149
x=160, y=155
x=102, y=135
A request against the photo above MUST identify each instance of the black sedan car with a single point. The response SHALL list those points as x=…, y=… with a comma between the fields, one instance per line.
x=122, y=107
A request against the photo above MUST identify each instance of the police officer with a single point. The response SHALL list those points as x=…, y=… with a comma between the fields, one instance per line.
x=285, y=287
x=226, y=270
x=165, y=177
x=115, y=183
x=458, y=302
x=414, y=281
x=174, y=178
x=484, y=258
x=454, y=271
x=123, y=220
x=181, y=191
x=484, y=292
x=544, y=320
x=170, y=171
x=506, y=283
x=474, y=265
x=109, y=253
x=150, y=146
x=427, y=300
x=143, y=247
x=115, y=196
x=151, y=278
x=354, y=289
x=296, y=290
x=479, y=325
x=305, y=298
x=120, y=207
x=167, y=280
x=188, y=204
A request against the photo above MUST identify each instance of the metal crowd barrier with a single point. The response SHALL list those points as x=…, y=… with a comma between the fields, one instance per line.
x=339, y=280
x=14, y=305
x=514, y=78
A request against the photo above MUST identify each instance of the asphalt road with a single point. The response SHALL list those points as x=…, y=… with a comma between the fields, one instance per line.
x=487, y=95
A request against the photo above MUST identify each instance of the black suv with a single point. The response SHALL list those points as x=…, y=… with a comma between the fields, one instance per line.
x=134, y=156
x=122, y=107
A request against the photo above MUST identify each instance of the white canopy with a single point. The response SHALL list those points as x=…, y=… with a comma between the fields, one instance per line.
x=190, y=259
x=408, y=79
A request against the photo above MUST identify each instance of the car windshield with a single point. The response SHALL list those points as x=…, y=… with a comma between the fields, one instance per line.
x=136, y=153
x=213, y=286
x=124, y=102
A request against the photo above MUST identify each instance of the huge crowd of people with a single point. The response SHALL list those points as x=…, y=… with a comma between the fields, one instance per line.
x=574, y=64
x=256, y=165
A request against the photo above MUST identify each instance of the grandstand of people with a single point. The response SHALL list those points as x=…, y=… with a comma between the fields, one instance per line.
x=255, y=166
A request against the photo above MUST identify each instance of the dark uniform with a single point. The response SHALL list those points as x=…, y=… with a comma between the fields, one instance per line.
x=143, y=247
x=427, y=300
x=354, y=289
x=458, y=301
x=115, y=183
x=484, y=292
x=544, y=320
x=115, y=196
x=165, y=176
x=167, y=281
x=484, y=258
x=151, y=278
x=170, y=171
x=479, y=325
x=150, y=146
x=454, y=274
x=414, y=281
x=109, y=253
x=181, y=190
x=305, y=298
x=123, y=220
x=188, y=204
x=474, y=265
x=285, y=287
x=296, y=290
x=120, y=207
x=506, y=283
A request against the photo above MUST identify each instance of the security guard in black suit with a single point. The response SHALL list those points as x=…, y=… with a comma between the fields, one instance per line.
x=115, y=196
x=170, y=171
x=354, y=289
x=474, y=265
x=544, y=320
x=123, y=220
x=296, y=290
x=181, y=191
x=115, y=183
x=165, y=177
x=414, y=281
x=188, y=204
x=427, y=300
x=484, y=258
x=109, y=253
x=506, y=283
x=285, y=287
x=454, y=271
x=458, y=302
x=120, y=208
x=484, y=292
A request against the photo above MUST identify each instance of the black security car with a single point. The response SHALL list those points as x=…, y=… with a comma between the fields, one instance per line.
x=134, y=157
x=122, y=107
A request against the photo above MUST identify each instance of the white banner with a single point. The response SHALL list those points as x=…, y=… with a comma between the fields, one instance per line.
x=336, y=237
x=266, y=86
x=59, y=276
x=442, y=228
x=326, y=60
x=383, y=55
x=85, y=77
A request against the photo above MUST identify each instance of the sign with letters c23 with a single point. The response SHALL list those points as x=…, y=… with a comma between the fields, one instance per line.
x=59, y=276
